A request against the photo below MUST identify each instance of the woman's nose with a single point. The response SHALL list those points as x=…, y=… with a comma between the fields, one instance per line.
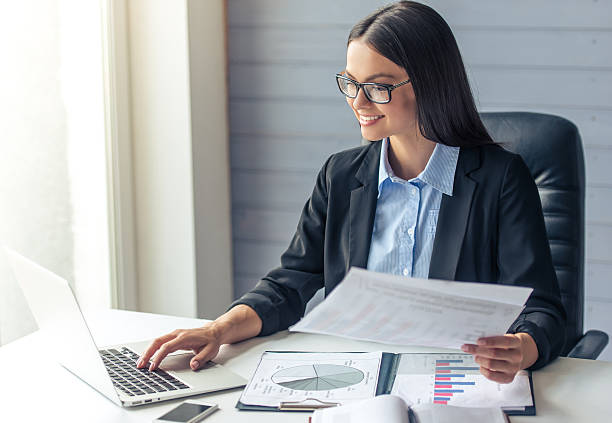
x=361, y=99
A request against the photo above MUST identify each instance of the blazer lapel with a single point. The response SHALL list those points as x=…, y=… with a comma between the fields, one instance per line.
x=453, y=218
x=362, y=208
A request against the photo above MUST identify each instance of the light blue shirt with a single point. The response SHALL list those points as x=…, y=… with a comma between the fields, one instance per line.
x=407, y=213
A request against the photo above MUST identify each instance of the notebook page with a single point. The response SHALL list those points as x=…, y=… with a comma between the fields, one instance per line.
x=384, y=408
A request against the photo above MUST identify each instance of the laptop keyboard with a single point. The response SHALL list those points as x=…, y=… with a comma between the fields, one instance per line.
x=121, y=366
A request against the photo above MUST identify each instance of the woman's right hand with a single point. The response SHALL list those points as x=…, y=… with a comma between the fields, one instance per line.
x=204, y=342
x=239, y=323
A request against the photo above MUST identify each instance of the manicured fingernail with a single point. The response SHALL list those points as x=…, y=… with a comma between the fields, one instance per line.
x=151, y=367
x=139, y=362
x=195, y=365
x=465, y=348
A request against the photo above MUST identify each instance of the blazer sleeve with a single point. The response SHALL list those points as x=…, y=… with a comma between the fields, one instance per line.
x=280, y=297
x=524, y=258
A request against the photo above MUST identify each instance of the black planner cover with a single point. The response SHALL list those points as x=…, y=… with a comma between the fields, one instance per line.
x=529, y=410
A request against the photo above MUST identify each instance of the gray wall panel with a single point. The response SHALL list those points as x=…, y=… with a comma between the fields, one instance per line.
x=257, y=258
x=599, y=206
x=271, y=189
x=598, y=162
x=292, y=118
x=280, y=153
x=598, y=244
x=264, y=225
x=597, y=315
x=518, y=13
x=598, y=281
x=527, y=48
x=574, y=88
x=530, y=48
x=300, y=45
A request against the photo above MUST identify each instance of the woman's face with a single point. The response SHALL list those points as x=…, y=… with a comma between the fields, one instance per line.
x=396, y=118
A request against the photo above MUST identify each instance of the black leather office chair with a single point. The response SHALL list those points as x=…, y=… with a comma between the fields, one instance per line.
x=552, y=149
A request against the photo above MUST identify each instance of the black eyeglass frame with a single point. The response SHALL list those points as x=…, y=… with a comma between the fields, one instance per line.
x=389, y=87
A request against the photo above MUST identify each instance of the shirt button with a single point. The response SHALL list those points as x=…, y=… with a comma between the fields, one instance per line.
x=411, y=231
x=405, y=272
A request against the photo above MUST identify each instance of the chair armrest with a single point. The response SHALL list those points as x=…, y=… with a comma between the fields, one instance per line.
x=590, y=345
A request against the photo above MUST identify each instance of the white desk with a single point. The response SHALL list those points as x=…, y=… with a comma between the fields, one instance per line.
x=568, y=390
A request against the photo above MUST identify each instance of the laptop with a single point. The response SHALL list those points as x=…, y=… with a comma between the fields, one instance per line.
x=110, y=370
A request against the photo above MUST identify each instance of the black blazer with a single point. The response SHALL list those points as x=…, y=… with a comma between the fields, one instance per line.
x=490, y=230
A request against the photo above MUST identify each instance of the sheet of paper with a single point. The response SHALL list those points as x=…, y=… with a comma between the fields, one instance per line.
x=434, y=413
x=407, y=311
x=329, y=377
x=455, y=379
x=384, y=408
x=509, y=294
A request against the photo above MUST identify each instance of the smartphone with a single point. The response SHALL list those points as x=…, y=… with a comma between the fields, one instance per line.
x=188, y=412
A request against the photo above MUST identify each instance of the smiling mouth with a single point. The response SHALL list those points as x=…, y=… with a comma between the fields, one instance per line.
x=369, y=120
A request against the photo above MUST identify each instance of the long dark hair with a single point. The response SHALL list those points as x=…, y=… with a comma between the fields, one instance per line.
x=417, y=38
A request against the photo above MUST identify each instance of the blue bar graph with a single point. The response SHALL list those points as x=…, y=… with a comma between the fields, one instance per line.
x=461, y=368
x=442, y=391
x=458, y=383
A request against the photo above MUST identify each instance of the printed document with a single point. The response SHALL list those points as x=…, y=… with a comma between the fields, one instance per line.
x=336, y=378
x=455, y=379
x=398, y=310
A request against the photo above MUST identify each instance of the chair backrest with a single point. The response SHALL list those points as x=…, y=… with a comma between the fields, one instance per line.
x=552, y=149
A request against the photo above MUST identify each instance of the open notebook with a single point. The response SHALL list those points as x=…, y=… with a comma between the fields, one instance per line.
x=392, y=409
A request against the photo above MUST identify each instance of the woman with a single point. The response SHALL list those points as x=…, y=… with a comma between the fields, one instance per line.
x=436, y=197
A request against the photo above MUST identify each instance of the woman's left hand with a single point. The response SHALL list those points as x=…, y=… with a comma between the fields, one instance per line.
x=501, y=357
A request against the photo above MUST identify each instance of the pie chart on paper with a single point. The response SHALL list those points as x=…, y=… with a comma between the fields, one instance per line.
x=318, y=377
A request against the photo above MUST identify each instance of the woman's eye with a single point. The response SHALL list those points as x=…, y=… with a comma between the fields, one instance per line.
x=378, y=91
x=351, y=89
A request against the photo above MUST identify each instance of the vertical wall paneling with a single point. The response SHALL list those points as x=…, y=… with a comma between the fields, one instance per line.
x=162, y=153
x=180, y=137
x=210, y=155
x=286, y=116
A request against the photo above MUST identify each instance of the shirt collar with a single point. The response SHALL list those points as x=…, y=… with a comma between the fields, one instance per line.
x=439, y=171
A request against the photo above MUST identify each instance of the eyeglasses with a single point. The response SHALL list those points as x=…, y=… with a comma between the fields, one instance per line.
x=375, y=92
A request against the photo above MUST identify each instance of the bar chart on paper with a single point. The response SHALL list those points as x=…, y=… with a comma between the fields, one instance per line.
x=455, y=379
x=452, y=378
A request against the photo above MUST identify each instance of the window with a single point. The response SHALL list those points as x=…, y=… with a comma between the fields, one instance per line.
x=53, y=167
